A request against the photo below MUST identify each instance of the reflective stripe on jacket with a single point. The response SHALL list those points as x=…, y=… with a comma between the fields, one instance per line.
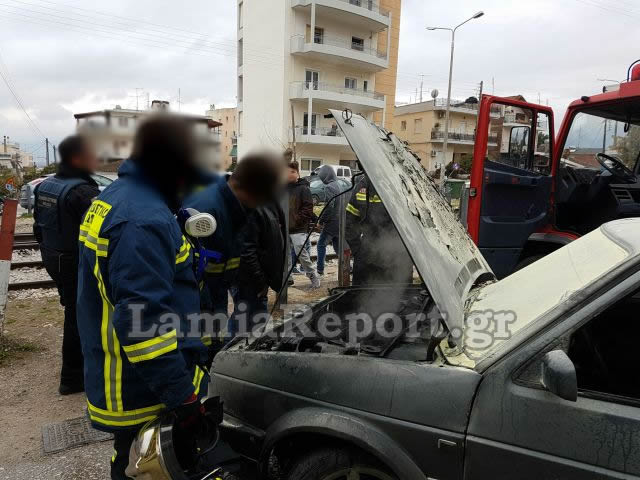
x=218, y=200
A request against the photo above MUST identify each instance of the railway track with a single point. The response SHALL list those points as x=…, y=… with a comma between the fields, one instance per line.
x=33, y=284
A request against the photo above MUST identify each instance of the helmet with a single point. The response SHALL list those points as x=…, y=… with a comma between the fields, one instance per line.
x=163, y=450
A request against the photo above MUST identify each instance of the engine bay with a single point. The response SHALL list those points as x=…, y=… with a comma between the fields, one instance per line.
x=395, y=322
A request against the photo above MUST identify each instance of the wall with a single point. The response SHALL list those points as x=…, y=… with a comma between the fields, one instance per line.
x=228, y=130
x=265, y=44
x=386, y=80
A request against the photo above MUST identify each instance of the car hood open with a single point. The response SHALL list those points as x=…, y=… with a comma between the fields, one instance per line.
x=448, y=261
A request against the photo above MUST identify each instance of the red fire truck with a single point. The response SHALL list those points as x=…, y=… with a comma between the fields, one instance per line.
x=532, y=192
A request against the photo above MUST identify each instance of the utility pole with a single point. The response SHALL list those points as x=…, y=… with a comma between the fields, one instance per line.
x=46, y=142
x=604, y=137
x=4, y=142
x=55, y=154
x=479, y=102
x=421, y=86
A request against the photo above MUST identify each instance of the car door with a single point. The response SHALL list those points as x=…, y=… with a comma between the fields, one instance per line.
x=511, y=182
x=528, y=432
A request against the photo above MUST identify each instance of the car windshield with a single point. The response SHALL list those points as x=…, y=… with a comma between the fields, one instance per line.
x=597, y=131
x=528, y=298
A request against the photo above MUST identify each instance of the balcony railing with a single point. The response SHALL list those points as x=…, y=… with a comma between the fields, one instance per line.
x=327, y=87
x=460, y=137
x=442, y=103
x=368, y=5
x=342, y=43
x=514, y=118
x=320, y=131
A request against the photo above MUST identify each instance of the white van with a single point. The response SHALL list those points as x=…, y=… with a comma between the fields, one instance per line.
x=341, y=171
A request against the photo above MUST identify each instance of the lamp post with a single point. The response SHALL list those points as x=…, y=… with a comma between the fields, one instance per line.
x=445, y=142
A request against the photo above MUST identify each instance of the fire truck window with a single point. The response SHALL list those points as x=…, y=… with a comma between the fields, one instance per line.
x=509, y=141
x=542, y=152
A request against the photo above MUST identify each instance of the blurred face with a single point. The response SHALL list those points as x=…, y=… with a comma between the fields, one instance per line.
x=292, y=175
x=87, y=160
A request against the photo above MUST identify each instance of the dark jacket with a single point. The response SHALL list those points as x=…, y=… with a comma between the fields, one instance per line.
x=135, y=268
x=300, y=206
x=330, y=218
x=263, y=256
x=74, y=204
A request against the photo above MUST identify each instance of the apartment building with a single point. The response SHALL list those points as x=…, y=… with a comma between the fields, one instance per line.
x=11, y=154
x=422, y=126
x=112, y=132
x=228, y=119
x=299, y=58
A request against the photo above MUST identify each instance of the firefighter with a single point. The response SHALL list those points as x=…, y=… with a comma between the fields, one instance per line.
x=256, y=180
x=380, y=257
x=137, y=292
x=60, y=203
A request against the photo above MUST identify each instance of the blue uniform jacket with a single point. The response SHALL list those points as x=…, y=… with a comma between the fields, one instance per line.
x=218, y=200
x=137, y=300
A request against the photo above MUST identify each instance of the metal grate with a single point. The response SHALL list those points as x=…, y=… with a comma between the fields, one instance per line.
x=57, y=437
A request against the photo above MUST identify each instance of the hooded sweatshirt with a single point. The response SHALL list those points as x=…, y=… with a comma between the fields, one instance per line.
x=330, y=217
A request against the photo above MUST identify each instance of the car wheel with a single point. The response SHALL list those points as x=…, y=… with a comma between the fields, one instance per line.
x=338, y=464
x=316, y=199
x=528, y=261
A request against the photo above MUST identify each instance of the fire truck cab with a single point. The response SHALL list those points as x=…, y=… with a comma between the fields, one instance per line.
x=532, y=192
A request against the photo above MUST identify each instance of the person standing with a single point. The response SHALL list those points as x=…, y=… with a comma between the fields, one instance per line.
x=379, y=255
x=330, y=218
x=137, y=291
x=300, y=215
x=261, y=265
x=257, y=180
x=60, y=203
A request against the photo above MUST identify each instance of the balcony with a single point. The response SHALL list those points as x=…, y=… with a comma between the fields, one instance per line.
x=437, y=136
x=339, y=51
x=364, y=14
x=516, y=120
x=319, y=136
x=335, y=95
x=463, y=107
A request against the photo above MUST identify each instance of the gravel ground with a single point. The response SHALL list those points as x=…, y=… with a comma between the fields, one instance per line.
x=26, y=256
x=30, y=274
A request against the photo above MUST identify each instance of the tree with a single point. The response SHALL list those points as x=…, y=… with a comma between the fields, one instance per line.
x=631, y=146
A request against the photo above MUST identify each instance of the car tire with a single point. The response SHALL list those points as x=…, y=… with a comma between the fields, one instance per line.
x=527, y=261
x=316, y=199
x=338, y=464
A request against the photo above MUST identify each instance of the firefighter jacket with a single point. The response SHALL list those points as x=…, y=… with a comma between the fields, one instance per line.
x=138, y=306
x=379, y=253
x=231, y=217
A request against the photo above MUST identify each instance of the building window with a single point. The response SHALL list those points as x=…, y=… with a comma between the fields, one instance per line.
x=403, y=125
x=417, y=125
x=365, y=86
x=240, y=52
x=240, y=88
x=318, y=35
x=357, y=43
x=312, y=77
x=240, y=19
x=310, y=164
x=351, y=83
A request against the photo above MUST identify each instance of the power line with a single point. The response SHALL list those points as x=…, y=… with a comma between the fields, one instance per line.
x=8, y=83
x=131, y=30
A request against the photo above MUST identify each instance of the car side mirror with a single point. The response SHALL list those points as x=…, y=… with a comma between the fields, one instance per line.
x=559, y=375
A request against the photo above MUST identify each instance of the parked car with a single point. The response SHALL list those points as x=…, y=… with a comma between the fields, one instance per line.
x=530, y=377
x=319, y=189
x=27, y=196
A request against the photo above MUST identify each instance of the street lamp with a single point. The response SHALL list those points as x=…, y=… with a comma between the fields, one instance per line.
x=445, y=145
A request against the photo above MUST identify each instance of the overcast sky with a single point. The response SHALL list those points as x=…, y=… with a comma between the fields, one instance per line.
x=69, y=56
